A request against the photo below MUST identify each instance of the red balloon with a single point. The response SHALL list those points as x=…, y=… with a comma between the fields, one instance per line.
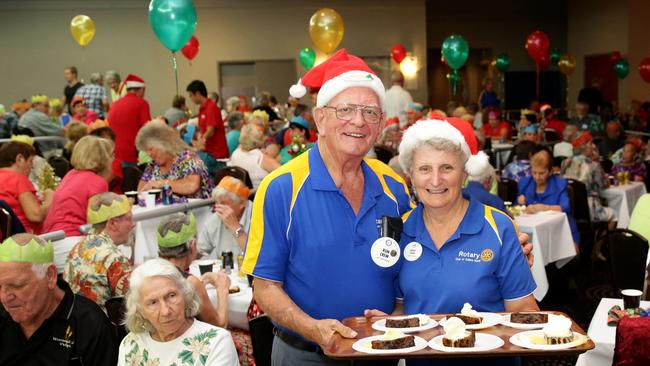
x=399, y=52
x=537, y=45
x=615, y=57
x=191, y=48
x=544, y=62
x=644, y=69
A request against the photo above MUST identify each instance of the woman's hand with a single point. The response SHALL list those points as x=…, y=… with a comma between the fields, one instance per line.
x=219, y=280
x=153, y=184
x=227, y=215
x=521, y=200
x=48, y=196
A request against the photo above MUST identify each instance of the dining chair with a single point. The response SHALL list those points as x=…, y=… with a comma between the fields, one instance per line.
x=130, y=178
x=116, y=309
x=507, y=190
x=261, y=330
x=628, y=252
x=235, y=172
x=12, y=225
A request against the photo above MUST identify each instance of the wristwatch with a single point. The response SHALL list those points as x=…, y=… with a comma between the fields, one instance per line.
x=239, y=232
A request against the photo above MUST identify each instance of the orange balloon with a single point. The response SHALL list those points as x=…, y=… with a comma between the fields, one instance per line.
x=326, y=29
x=567, y=64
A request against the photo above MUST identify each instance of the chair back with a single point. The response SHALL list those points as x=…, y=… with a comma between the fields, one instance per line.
x=115, y=309
x=551, y=135
x=647, y=175
x=9, y=221
x=235, y=172
x=261, y=330
x=579, y=202
x=507, y=190
x=131, y=177
x=628, y=252
x=60, y=165
x=5, y=224
x=607, y=165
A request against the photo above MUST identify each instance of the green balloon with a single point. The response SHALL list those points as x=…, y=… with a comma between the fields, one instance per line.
x=173, y=22
x=555, y=56
x=621, y=68
x=455, y=51
x=502, y=62
x=307, y=57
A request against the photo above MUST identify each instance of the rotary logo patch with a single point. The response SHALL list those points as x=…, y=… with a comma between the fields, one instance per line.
x=487, y=255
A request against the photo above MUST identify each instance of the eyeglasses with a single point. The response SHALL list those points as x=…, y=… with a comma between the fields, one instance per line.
x=346, y=112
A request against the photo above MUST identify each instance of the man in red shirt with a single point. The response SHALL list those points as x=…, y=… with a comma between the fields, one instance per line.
x=126, y=116
x=210, y=122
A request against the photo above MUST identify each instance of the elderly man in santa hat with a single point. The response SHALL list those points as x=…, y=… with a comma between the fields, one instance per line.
x=317, y=247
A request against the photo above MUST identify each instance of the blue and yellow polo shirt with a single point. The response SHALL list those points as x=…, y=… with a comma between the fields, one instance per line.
x=305, y=234
x=481, y=263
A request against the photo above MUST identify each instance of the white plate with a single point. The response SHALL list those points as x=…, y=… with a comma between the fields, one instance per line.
x=364, y=345
x=484, y=342
x=381, y=325
x=489, y=320
x=506, y=321
x=523, y=340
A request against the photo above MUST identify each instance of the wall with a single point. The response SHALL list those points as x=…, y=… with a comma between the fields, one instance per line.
x=639, y=48
x=36, y=42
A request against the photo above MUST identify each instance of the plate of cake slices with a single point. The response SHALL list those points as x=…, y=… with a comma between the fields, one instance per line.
x=391, y=342
x=526, y=320
x=405, y=324
x=457, y=338
x=476, y=320
x=555, y=335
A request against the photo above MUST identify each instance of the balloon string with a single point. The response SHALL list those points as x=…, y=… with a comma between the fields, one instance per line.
x=83, y=55
x=175, y=70
x=537, y=87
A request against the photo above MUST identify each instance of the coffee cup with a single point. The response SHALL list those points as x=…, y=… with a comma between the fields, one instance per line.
x=631, y=298
x=205, y=266
x=156, y=193
x=150, y=201
x=132, y=196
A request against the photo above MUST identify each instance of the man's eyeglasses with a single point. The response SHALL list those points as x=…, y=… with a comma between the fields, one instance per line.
x=346, y=112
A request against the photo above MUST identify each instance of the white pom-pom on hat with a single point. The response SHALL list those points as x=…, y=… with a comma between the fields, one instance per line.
x=298, y=90
x=476, y=164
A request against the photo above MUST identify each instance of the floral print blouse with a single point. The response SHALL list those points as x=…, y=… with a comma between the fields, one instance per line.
x=188, y=163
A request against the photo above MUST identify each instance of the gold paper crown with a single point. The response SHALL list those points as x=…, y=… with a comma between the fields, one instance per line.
x=56, y=102
x=526, y=111
x=231, y=185
x=40, y=98
x=32, y=252
x=173, y=239
x=23, y=138
x=261, y=114
x=117, y=208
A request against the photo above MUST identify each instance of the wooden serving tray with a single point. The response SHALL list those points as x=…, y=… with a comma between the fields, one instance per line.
x=341, y=348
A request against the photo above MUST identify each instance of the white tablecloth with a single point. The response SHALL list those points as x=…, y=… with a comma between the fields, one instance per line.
x=145, y=230
x=622, y=199
x=551, y=237
x=237, y=303
x=603, y=335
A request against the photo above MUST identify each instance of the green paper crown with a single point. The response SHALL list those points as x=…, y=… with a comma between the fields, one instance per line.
x=32, y=252
x=172, y=239
x=118, y=207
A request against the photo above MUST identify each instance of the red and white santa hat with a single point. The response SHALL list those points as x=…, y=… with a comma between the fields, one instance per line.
x=337, y=73
x=132, y=81
x=456, y=130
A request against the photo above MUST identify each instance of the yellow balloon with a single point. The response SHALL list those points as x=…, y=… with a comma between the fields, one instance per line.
x=326, y=29
x=567, y=64
x=82, y=29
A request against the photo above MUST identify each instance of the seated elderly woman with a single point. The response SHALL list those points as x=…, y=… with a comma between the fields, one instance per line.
x=457, y=249
x=630, y=164
x=249, y=155
x=160, y=310
x=545, y=191
x=16, y=189
x=226, y=229
x=173, y=163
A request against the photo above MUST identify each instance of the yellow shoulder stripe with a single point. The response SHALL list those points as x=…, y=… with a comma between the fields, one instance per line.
x=489, y=217
x=406, y=215
x=382, y=170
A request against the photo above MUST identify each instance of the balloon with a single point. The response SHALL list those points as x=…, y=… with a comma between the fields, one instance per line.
x=455, y=51
x=82, y=29
x=173, y=22
x=502, y=62
x=621, y=68
x=191, y=48
x=399, y=52
x=555, y=56
x=644, y=69
x=544, y=62
x=537, y=45
x=567, y=64
x=615, y=57
x=307, y=57
x=326, y=29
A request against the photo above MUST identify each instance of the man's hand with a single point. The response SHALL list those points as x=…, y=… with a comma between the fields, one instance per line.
x=369, y=313
x=323, y=331
x=227, y=215
x=527, y=248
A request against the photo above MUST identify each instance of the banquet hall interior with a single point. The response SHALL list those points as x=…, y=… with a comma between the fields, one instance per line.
x=187, y=112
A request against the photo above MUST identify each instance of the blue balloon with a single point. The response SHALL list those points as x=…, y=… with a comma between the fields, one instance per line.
x=173, y=22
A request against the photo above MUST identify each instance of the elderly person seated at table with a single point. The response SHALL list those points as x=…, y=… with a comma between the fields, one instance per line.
x=227, y=228
x=531, y=133
x=17, y=190
x=631, y=164
x=42, y=322
x=457, y=249
x=545, y=191
x=249, y=155
x=95, y=267
x=520, y=167
x=496, y=129
x=160, y=309
x=173, y=163
x=564, y=149
x=479, y=186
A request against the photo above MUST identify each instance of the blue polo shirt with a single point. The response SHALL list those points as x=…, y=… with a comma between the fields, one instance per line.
x=305, y=234
x=477, y=191
x=481, y=263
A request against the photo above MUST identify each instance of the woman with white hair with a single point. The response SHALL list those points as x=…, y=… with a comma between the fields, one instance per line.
x=249, y=154
x=160, y=310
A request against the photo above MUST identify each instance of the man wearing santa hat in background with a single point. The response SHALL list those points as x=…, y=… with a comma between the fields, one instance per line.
x=126, y=116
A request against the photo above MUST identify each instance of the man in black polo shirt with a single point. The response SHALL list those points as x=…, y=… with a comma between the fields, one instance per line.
x=41, y=321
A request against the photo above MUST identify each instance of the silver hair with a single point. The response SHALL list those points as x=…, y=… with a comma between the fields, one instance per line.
x=235, y=118
x=158, y=135
x=40, y=269
x=488, y=173
x=569, y=132
x=112, y=74
x=220, y=191
x=95, y=78
x=133, y=320
x=436, y=143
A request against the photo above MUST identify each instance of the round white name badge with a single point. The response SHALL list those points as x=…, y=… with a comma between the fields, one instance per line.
x=412, y=251
x=385, y=252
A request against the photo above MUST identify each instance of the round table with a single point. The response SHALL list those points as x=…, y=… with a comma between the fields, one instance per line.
x=622, y=199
